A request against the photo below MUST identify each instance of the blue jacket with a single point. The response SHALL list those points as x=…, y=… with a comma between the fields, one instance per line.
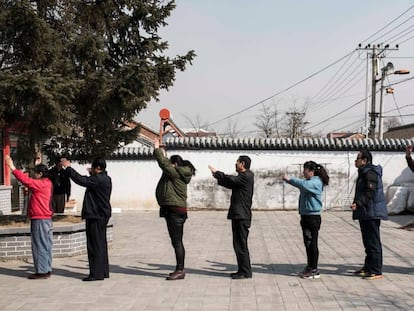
x=369, y=194
x=310, y=199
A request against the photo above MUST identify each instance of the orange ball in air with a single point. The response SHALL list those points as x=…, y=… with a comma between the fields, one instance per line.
x=164, y=114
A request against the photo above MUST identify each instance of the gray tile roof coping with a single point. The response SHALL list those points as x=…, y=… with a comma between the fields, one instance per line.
x=227, y=143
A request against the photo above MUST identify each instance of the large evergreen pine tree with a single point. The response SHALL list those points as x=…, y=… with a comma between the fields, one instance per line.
x=72, y=72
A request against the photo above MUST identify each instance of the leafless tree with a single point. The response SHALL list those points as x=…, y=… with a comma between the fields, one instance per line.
x=296, y=123
x=196, y=123
x=232, y=129
x=391, y=122
x=267, y=122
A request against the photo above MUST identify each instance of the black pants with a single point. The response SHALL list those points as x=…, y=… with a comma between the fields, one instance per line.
x=175, y=225
x=240, y=228
x=370, y=230
x=97, y=247
x=310, y=228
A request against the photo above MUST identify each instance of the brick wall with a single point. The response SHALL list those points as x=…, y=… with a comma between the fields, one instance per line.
x=68, y=241
x=5, y=200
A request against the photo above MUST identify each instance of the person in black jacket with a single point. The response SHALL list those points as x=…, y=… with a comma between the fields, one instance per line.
x=96, y=211
x=240, y=211
x=369, y=207
x=61, y=186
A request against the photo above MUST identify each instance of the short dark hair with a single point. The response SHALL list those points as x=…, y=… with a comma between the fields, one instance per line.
x=246, y=160
x=99, y=163
x=366, y=154
x=41, y=168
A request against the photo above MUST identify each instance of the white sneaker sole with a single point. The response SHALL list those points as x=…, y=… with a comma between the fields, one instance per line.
x=317, y=276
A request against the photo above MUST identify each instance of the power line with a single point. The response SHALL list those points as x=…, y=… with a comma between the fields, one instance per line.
x=335, y=115
x=282, y=91
x=402, y=34
x=314, y=98
x=341, y=88
x=392, y=29
x=328, y=90
x=318, y=72
x=401, y=81
x=394, y=98
x=407, y=40
x=381, y=29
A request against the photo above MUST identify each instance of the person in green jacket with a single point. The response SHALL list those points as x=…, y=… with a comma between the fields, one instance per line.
x=171, y=194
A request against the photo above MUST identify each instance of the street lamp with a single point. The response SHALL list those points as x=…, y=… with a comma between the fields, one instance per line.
x=387, y=70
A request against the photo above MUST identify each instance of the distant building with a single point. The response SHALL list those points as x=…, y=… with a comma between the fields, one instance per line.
x=349, y=135
x=199, y=133
x=145, y=136
x=404, y=131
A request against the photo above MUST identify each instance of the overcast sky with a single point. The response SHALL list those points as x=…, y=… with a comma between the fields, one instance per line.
x=255, y=53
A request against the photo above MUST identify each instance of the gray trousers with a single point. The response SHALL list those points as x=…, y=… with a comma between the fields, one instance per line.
x=42, y=234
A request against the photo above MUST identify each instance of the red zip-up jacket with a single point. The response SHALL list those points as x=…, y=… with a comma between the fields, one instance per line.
x=40, y=199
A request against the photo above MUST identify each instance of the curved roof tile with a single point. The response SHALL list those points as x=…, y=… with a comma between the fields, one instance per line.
x=214, y=143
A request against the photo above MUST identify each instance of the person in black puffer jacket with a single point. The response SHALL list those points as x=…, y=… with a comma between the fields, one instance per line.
x=369, y=207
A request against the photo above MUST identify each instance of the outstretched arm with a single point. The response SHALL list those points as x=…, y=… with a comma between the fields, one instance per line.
x=408, y=158
x=9, y=162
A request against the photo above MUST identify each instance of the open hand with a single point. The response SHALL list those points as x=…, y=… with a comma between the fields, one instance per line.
x=212, y=169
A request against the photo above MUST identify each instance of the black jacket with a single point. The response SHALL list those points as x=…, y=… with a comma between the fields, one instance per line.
x=97, y=195
x=242, y=193
x=60, y=180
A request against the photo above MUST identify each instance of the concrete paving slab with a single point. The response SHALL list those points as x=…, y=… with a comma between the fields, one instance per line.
x=142, y=257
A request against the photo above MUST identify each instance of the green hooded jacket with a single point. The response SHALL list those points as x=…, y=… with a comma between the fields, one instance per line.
x=172, y=187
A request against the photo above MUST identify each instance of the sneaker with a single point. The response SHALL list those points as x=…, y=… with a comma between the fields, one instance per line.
x=361, y=272
x=373, y=276
x=306, y=270
x=312, y=274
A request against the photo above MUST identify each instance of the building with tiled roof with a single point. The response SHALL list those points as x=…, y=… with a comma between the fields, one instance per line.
x=404, y=131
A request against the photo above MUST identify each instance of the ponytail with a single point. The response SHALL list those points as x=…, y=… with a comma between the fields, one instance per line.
x=318, y=170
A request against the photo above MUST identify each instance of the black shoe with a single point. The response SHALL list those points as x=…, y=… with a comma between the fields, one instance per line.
x=234, y=273
x=36, y=276
x=91, y=278
x=240, y=276
x=176, y=275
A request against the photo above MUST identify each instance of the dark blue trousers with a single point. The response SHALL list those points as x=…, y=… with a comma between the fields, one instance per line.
x=370, y=230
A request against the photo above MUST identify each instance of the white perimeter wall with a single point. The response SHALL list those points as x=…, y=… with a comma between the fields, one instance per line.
x=134, y=181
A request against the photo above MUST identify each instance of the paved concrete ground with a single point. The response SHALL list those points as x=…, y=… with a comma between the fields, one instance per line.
x=142, y=256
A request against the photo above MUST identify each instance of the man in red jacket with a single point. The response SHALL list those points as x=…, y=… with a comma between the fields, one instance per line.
x=40, y=214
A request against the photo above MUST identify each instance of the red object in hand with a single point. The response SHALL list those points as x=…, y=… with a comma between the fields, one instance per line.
x=164, y=114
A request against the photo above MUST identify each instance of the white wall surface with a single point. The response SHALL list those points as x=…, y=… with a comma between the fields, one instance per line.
x=134, y=181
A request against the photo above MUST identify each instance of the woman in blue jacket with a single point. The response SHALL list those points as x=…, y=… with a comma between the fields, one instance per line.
x=310, y=206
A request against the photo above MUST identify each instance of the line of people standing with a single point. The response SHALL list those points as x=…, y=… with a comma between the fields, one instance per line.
x=369, y=208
